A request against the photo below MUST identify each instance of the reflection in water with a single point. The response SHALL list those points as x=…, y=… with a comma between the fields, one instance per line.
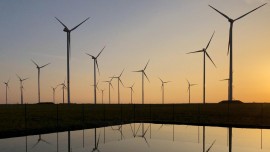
x=40, y=140
x=96, y=141
x=143, y=133
x=182, y=139
x=26, y=143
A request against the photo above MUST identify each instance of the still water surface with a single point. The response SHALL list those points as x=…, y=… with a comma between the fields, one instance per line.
x=143, y=137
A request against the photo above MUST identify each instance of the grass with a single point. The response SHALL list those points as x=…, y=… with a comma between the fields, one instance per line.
x=19, y=120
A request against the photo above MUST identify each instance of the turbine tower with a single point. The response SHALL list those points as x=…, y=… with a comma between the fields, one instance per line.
x=38, y=68
x=68, y=31
x=143, y=74
x=189, y=90
x=131, y=92
x=7, y=87
x=21, y=86
x=119, y=80
x=204, y=51
x=162, y=88
x=95, y=65
x=230, y=46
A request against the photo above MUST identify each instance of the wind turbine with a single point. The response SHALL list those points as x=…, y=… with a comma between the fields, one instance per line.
x=95, y=65
x=102, y=92
x=54, y=88
x=110, y=85
x=96, y=141
x=131, y=92
x=68, y=31
x=230, y=46
x=39, y=140
x=21, y=86
x=143, y=74
x=189, y=86
x=6, y=84
x=63, y=88
x=119, y=80
x=38, y=68
x=162, y=88
x=143, y=133
x=204, y=51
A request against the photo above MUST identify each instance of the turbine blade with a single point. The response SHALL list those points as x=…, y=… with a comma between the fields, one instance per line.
x=132, y=85
x=138, y=129
x=34, y=62
x=210, y=41
x=18, y=76
x=219, y=12
x=146, y=76
x=225, y=79
x=90, y=55
x=100, y=52
x=79, y=24
x=25, y=79
x=195, y=52
x=230, y=37
x=138, y=71
x=61, y=22
x=146, y=64
x=211, y=146
x=45, y=65
x=250, y=12
x=161, y=80
x=111, y=85
x=97, y=66
x=121, y=73
x=146, y=142
x=121, y=82
x=35, y=144
x=210, y=59
x=98, y=139
x=188, y=82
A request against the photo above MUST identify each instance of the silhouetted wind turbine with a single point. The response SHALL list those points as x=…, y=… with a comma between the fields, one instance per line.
x=143, y=74
x=204, y=51
x=7, y=87
x=63, y=89
x=102, y=93
x=21, y=87
x=143, y=134
x=38, y=68
x=162, y=88
x=68, y=31
x=118, y=82
x=189, y=86
x=96, y=142
x=95, y=65
x=230, y=46
x=131, y=92
x=39, y=140
x=110, y=85
x=54, y=88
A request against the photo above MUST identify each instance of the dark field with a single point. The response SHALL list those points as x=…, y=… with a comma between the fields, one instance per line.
x=19, y=120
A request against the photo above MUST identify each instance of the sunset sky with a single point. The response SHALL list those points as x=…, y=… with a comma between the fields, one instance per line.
x=133, y=32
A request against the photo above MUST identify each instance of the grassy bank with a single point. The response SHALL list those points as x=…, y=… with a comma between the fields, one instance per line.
x=19, y=120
